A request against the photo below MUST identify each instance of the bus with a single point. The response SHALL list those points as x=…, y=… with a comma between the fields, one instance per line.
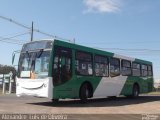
x=57, y=69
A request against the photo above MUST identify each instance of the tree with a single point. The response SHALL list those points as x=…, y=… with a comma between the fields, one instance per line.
x=5, y=69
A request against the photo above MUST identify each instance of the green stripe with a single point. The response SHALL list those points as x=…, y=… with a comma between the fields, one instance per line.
x=145, y=84
x=143, y=61
x=71, y=88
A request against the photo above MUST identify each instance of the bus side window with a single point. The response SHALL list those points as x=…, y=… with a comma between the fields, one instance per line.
x=150, y=73
x=101, y=65
x=136, y=71
x=114, y=67
x=83, y=65
x=126, y=68
x=144, y=70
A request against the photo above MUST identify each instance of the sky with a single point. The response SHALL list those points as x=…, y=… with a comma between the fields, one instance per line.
x=126, y=27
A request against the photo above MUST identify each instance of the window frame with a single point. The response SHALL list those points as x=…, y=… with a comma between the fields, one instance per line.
x=91, y=61
x=101, y=63
x=136, y=69
x=58, y=53
x=144, y=70
x=150, y=70
x=119, y=66
x=123, y=60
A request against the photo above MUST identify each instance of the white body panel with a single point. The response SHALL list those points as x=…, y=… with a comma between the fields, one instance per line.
x=35, y=87
x=110, y=86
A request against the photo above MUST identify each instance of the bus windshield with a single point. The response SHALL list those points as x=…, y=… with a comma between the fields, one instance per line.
x=34, y=65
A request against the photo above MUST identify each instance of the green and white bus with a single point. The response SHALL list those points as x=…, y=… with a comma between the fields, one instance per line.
x=58, y=70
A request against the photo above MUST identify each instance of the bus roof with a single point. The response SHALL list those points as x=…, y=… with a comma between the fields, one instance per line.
x=92, y=50
x=97, y=51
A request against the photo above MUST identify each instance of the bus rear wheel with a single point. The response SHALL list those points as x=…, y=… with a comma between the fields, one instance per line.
x=135, y=92
x=84, y=93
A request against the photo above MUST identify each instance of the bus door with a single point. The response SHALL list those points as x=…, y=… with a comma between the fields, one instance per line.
x=62, y=65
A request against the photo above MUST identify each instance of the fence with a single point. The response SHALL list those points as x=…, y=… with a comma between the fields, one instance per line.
x=7, y=84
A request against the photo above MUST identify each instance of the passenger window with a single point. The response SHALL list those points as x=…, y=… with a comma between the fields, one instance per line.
x=136, y=69
x=101, y=66
x=114, y=67
x=83, y=63
x=150, y=73
x=144, y=70
x=126, y=68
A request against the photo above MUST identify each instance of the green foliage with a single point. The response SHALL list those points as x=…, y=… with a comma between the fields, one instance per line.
x=5, y=69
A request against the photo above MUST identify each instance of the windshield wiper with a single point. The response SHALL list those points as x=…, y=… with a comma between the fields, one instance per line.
x=41, y=51
x=34, y=59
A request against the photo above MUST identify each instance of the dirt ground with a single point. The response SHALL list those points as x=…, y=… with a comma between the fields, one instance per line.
x=145, y=104
x=120, y=105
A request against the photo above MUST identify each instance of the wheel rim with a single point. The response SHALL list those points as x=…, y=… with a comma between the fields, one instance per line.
x=136, y=92
x=87, y=93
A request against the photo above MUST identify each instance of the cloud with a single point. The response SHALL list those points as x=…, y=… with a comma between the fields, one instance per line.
x=102, y=6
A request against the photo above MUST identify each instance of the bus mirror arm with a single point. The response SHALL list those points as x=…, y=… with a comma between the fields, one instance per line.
x=14, y=54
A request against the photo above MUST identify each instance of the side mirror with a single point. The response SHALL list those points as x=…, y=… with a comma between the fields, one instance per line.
x=13, y=55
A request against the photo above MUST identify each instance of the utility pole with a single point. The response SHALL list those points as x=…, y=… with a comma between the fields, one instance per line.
x=74, y=40
x=32, y=32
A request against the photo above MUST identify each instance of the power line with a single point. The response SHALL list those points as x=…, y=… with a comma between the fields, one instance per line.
x=11, y=42
x=6, y=38
x=120, y=42
x=15, y=22
x=24, y=26
x=19, y=35
x=122, y=49
x=3, y=39
x=39, y=31
x=36, y=30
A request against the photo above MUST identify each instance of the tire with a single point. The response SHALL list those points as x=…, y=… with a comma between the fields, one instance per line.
x=135, y=91
x=84, y=93
x=112, y=97
x=55, y=100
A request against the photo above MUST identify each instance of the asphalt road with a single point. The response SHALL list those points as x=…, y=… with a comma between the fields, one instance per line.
x=145, y=104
